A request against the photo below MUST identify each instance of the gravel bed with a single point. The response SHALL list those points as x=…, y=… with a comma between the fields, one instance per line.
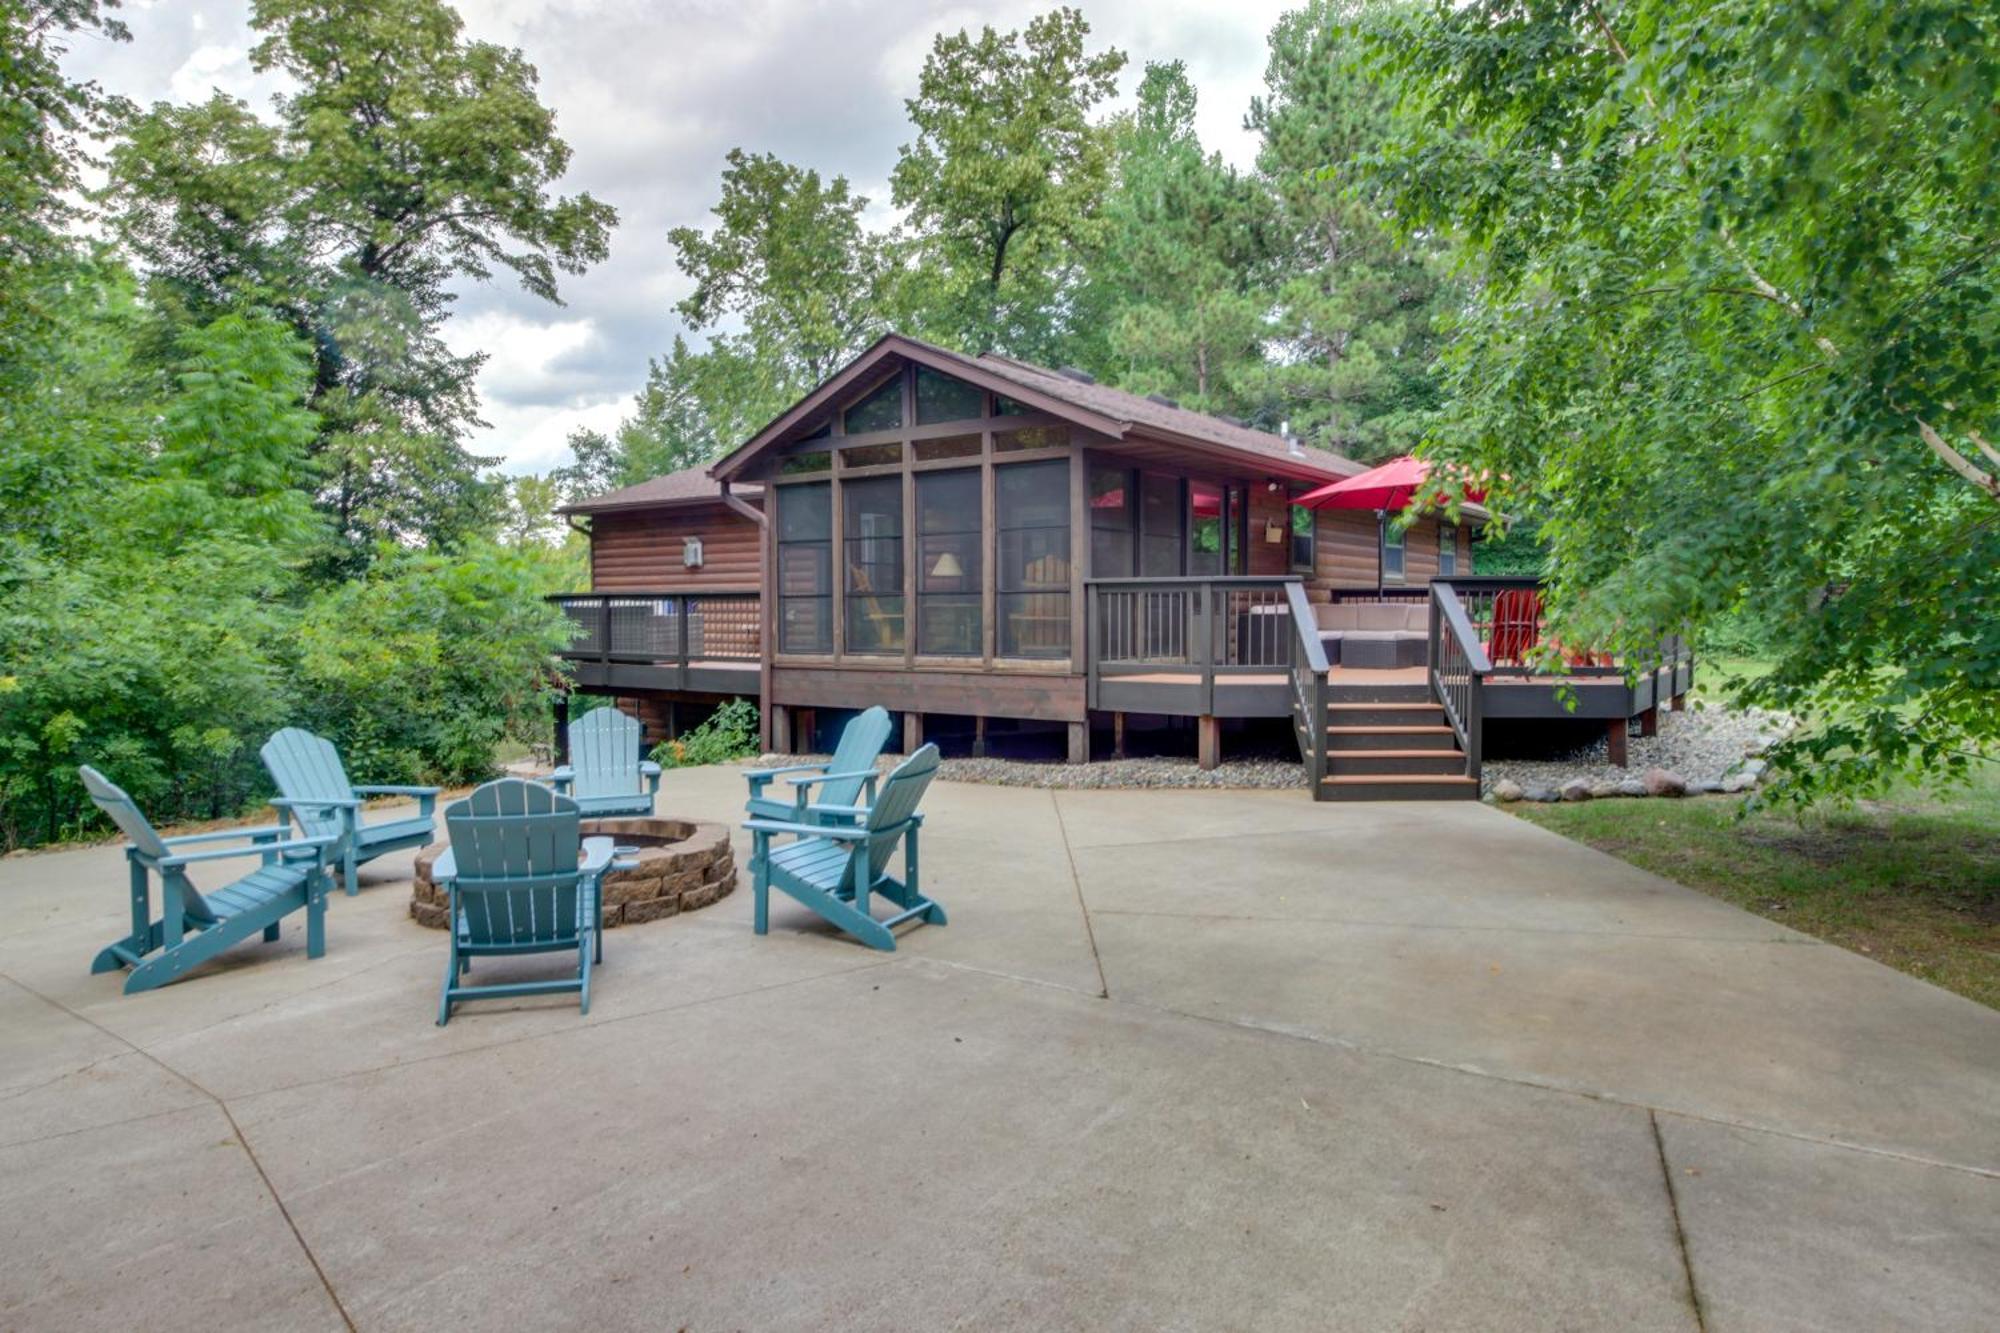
x=1099, y=774
x=1703, y=745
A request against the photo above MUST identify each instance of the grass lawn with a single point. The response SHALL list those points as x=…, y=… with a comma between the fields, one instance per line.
x=1912, y=881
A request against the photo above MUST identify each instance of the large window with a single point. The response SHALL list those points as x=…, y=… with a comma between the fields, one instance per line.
x=805, y=568
x=1305, y=530
x=948, y=564
x=1032, y=511
x=942, y=398
x=1162, y=527
x=1392, y=552
x=1111, y=523
x=872, y=532
x=1215, y=541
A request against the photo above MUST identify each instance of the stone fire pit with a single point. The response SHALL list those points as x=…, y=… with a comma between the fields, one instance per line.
x=683, y=865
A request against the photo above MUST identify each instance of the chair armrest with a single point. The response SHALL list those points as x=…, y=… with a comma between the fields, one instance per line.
x=839, y=811
x=597, y=856
x=650, y=771
x=760, y=776
x=261, y=831
x=805, y=830
x=400, y=791
x=445, y=869
x=229, y=853
x=317, y=803
x=829, y=777
x=565, y=773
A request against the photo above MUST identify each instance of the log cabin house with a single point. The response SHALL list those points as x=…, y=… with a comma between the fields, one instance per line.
x=982, y=544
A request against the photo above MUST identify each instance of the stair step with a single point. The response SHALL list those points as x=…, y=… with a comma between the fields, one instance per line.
x=1341, y=739
x=1384, y=715
x=1398, y=787
x=1382, y=763
x=1387, y=693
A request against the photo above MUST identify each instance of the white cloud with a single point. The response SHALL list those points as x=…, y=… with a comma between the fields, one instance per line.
x=650, y=97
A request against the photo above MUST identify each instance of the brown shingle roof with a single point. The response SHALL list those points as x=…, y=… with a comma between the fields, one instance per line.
x=690, y=485
x=1153, y=416
x=1096, y=406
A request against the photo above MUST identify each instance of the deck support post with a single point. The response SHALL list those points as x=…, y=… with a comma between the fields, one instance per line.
x=1614, y=734
x=1117, y=735
x=913, y=732
x=1679, y=702
x=1208, y=740
x=561, y=707
x=1079, y=742
x=781, y=729
x=979, y=737
x=1649, y=721
x=805, y=732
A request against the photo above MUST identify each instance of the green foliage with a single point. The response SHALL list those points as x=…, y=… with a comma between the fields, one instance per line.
x=1004, y=182
x=1173, y=291
x=1516, y=551
x=1735, y=347
x=404, y=159
x=423, y=665
x=1354, y=332
x=790, y=258
x=730, y=732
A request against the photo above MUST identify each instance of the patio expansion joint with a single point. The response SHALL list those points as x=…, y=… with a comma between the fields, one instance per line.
x=1680, y=1230
x=235, y=1132
x=1082, y=907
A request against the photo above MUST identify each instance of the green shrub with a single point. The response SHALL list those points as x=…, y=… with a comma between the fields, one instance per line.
x=730, y=732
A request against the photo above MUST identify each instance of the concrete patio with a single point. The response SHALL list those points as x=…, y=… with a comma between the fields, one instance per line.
x=1188, y=1060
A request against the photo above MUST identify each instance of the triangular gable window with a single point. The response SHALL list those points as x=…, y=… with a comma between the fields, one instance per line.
x=943, y=398
x=880, y=410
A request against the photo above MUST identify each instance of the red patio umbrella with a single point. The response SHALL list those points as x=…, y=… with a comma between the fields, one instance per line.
x=1387, y=489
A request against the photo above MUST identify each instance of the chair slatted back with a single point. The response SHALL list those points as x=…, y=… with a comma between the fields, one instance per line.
x=895, y=802
x=307, y=768
x=1517, y=616
x=123, y=810
x=516, y=845
x=604, y=747
x=861, y=743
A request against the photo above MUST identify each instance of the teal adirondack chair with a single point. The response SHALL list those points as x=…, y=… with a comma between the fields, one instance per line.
x=836, y=866
x=316, y=791
x=605, y=775
x=842, y=780
x=521, y=881
x=293, y=874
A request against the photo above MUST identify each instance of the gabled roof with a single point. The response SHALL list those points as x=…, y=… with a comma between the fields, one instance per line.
x=1097, y=407
x=689, y=486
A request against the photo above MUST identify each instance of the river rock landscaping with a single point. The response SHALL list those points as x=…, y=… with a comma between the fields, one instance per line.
x=1698, y=751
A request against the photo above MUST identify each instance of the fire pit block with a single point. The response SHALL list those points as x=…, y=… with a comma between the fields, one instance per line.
x=682, y=865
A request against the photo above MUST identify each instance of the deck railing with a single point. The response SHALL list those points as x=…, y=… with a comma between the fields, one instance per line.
x=684, y=634
x=1309, y=670
x=1458, y=668
x=1168, y=644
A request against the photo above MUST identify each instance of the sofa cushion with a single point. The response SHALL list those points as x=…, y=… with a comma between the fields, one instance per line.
x=1391, y=615
x=1337, y=615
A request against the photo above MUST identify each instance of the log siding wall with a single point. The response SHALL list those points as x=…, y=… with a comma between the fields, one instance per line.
x=640, y=551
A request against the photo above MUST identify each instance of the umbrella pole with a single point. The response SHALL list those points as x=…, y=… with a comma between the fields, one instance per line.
x=1381, y=543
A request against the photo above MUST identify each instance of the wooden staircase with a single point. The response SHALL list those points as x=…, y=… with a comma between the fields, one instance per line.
x=1391, y=743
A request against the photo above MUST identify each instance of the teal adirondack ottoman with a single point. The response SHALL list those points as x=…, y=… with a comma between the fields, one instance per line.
x=292, y=875
x=842, y=780
x=835, y=867
x=605, y=774
x=521, y=881
x=315, y=789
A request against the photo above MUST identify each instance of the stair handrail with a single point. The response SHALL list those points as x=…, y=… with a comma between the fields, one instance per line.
x=1309, y=669
x=1458, y=670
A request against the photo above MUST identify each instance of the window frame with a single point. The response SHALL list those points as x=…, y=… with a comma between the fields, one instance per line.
x=784, y=600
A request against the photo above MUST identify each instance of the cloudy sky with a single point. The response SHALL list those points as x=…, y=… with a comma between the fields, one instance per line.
x=650, y=95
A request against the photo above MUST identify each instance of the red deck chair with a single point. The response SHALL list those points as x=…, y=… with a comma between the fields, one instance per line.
x=1517, y=621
